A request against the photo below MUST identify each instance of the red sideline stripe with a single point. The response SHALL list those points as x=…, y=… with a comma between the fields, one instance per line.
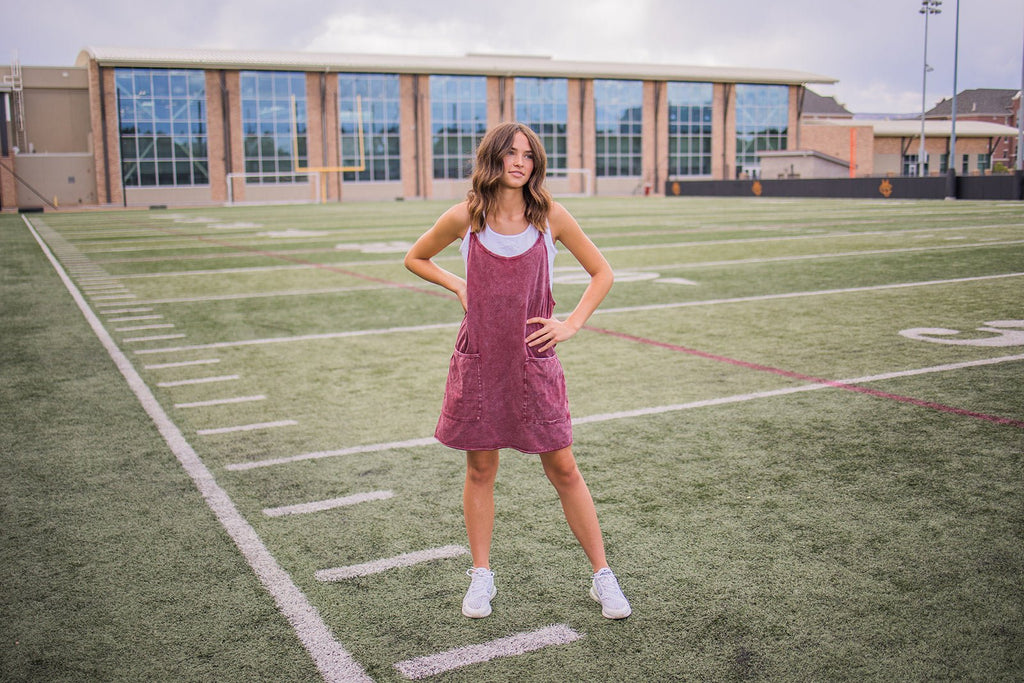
x=817, y=380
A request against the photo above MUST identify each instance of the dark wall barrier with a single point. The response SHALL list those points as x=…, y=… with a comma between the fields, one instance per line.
x=1004, y=186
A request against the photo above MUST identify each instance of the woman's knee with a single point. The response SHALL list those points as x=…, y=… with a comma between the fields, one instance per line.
x=560, y=468
x=481, y=467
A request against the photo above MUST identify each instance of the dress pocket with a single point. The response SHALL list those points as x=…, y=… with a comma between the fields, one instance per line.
x=544, y=396
x=463, y=394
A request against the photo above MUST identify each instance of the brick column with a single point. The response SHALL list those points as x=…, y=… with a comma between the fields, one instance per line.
x=236, y=145
x=574, y=133
x=588, y=129
x=332, y=134
x=104, y=134
x=723, y=132
x=215, y=153
x=649, y=134
x=314, y=132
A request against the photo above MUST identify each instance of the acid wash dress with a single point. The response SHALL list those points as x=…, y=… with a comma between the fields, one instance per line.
x=500, y=392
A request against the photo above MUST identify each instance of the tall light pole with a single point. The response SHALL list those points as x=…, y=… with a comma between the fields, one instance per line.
x=927, y=7
x=1020, y=120
x=951, y=166
x=956, y=59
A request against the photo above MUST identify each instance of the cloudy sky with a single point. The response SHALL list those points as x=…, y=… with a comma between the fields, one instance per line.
x=875, y=48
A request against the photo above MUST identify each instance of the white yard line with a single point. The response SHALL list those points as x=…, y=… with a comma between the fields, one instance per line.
x=247, y=428
x=354, y=450
x=797, y=295
x=134, y=318
x=197, y=380
x=221, y=271
x=324, y=505
x=387, y=563
x=182, y=364
x=122, y=311
x=812, y=257
x=600, y=311
x=784, y=238
x=140, y=328
x=114, y=297
x=300, y=338
x=221, y=401
x=257, y=295
x=641, y=412
x=509, y=646
x=158, y=337
x=335, y=664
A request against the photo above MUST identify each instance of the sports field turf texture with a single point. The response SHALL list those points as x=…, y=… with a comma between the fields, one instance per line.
x=217, y=465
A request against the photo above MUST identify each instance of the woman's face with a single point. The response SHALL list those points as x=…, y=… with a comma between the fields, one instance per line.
x=518, y=162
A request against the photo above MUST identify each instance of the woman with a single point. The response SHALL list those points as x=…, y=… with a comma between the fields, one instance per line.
x=505, y=384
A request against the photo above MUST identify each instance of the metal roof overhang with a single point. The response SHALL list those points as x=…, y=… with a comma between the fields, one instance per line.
x=472, y=64
x=909, y=128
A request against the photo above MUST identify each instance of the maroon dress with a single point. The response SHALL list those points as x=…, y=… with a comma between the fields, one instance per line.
x=502, y=393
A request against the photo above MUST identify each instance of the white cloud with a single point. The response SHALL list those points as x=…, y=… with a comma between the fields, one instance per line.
x=874, y=47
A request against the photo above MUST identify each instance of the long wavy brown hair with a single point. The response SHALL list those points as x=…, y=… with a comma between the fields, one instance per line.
x=490, y=166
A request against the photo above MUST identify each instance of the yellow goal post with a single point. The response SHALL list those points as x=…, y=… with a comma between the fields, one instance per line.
x=322, y=171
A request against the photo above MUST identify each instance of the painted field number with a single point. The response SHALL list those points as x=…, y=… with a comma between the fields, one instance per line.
x=999, y=333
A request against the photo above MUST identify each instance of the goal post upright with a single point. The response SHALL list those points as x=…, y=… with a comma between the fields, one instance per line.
x=320, y=171
x=585, y=174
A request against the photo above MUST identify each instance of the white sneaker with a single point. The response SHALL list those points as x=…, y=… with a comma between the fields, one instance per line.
x=606, y=591
x=477, y=603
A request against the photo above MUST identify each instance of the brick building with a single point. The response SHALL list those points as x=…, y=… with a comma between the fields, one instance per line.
x=138, y=127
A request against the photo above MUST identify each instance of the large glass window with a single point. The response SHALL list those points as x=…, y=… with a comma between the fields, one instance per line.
x=910, y=165
x=543, y=105
x=762, y=123
x=458, y=113
x=162, y=126
x=618, y=107
x=689, y=129
x=274, y=125
x=374, y=99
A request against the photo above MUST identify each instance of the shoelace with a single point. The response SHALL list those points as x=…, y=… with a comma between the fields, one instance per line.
x=608, y=586
x=479, y=587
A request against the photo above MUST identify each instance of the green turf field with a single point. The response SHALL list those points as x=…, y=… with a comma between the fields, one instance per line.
x=802, y=422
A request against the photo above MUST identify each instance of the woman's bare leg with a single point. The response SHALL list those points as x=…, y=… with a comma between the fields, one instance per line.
x=577, y=504
x=478, y=504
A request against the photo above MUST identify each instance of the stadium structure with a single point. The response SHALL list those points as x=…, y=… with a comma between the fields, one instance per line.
x=175, y=127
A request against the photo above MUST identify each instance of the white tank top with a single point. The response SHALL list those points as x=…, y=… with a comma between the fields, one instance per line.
x=513, y=245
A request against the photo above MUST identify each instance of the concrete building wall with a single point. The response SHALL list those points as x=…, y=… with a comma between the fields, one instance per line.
x=63, y=180
x=8, y=185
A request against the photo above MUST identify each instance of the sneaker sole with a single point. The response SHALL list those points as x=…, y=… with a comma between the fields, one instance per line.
x=610, y=614
x=481, y=613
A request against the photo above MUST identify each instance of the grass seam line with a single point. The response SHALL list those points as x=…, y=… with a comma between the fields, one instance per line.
x=509, y=646
x=335, y=664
